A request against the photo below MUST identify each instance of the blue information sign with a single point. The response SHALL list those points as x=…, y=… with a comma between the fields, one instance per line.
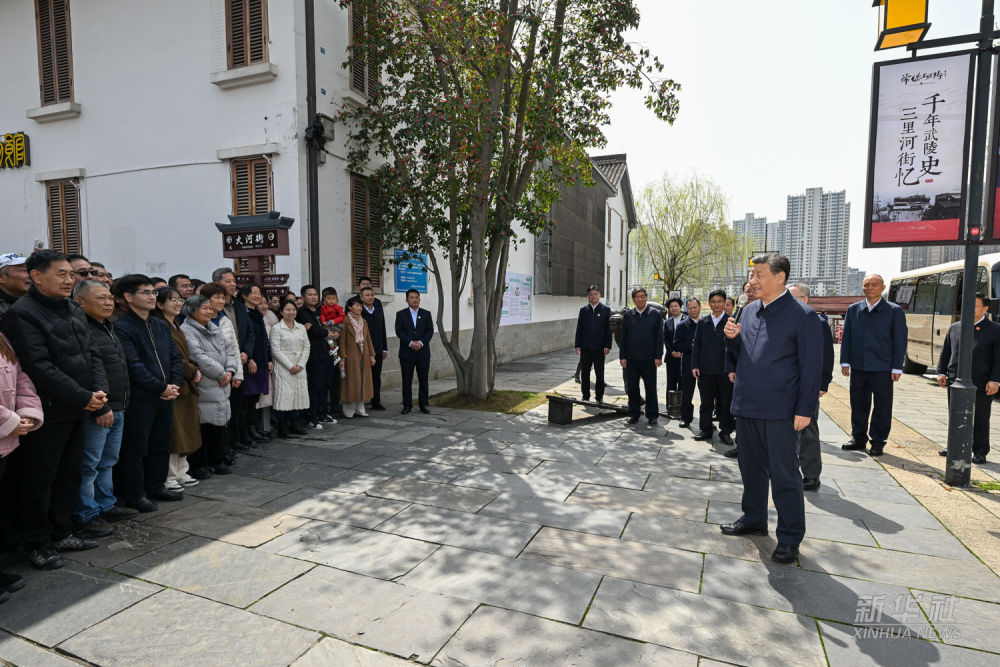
x=410, y=271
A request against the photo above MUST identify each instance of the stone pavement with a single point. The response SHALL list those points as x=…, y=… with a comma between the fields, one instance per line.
x=468, y=538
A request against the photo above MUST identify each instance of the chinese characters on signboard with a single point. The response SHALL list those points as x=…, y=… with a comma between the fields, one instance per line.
x=411, y=271
x=517, y=299
x=263, y=240
x=14, y=150
x=918, y=151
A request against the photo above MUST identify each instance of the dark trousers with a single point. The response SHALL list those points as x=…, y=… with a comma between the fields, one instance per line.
x=673, y=365
x=377, y=379
x=423, y=367
x=317, y=377
x=644, y=370
x=51, y=469
x=688, y=384
x=769, y=451
x=145, y=454
x=333, y=389
x=715, y=389
x=866, y=385
x=810, y=460
x=237, y=419
x=980, y=422
x=214, y=443
x=593, y=358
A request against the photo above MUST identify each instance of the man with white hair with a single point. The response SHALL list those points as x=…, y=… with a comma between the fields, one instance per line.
x=14, y=280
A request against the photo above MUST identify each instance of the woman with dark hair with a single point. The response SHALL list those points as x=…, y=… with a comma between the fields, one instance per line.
x=258, y=371
x=196, y=285
x=185, y=438
x=357, y=356
x=290, y=349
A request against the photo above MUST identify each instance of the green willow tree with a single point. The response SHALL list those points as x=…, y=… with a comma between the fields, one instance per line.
x=481, y=110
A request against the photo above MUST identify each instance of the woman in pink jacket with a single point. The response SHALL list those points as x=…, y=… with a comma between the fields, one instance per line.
x=20, y=412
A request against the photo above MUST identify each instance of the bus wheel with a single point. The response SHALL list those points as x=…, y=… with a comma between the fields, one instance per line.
x=913, y=367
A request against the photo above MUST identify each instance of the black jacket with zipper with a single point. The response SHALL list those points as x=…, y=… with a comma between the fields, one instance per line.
x=153, y=358
x=109, y=350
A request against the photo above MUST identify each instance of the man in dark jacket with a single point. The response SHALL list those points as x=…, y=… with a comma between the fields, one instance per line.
x=810, y=459
x=239, y=434
x=672, y=360
x=155, y=375
x=103, y=429
x=774, y=398
x=374, y=315
x=414, y=329
x=14, y=281
x=641, y=353
x=872, y=349
x=708, y=365
x=53, y=344
x=593, y=342
x=318, y=365
x=985, y=373
x=682, y=344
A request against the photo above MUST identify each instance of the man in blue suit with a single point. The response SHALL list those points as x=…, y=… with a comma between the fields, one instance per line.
x=672, y=360
x=774, y=398
x=414, y=329
x=593, y=342
x=640, y=353
x=872, y=348
x=709, y=364
x=682, y=344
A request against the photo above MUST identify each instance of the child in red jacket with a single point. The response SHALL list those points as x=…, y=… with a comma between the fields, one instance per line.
x=331, y=316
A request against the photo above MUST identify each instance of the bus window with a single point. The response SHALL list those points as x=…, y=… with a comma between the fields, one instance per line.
x=923, y=302
x=983, y=282
x=901, y=292
x=946, y=302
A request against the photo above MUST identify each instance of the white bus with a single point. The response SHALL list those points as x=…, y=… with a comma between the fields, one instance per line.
x=932, y=299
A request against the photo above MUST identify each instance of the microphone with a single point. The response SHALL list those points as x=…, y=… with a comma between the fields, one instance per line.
x=741, y=303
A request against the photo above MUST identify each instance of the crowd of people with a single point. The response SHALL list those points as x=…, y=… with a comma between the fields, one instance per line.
x=119, y=393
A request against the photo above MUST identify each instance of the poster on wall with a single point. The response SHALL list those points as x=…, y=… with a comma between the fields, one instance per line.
x=918, y=150
x=411, y=271
x=517, y=299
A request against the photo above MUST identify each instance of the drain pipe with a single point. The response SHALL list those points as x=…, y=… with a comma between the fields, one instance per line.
x=312, y=158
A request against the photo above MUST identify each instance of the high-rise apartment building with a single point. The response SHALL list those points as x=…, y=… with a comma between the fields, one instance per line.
x=815, y=239
x=754, y=229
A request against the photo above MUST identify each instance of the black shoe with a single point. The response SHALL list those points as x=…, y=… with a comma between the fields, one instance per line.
x=739, y=528
x=44, y=559
x=979, y=460
x=200, y=473
x=167, y=496
x=632, y=420
x=876, y=451
x=942, y=452
x=74, y=543
x=144, y=505
x=406, y=411
x=585, y=398
x=653, y=422
x=93, y=529
x=683, y=424
x=295, y=430
x=326, y=419
x=231, y=460
x=810, y=484
x=599, y=399
x=118, y=513
x=731, y=453
x=221, y=469
x=726, y=439
x=260, y=435
x=377, y=406
x=424, y=409
x=241, y=447
x=703, y=436
x=785, y=554
x=11, y=582
x=850, y=445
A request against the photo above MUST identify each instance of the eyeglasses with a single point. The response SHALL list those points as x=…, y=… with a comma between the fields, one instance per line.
x=176, y=298
x=83, y=273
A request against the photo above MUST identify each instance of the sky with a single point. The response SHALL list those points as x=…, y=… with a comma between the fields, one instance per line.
x=776, y=98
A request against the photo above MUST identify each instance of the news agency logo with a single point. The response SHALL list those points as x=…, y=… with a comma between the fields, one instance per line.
x=878, y=616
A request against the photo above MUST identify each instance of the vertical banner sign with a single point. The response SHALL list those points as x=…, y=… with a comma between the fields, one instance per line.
x=992, y=231
x=517, y=299
x=918, y=150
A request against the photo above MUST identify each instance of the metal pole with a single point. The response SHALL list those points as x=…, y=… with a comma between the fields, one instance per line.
x=312, y=154
x=958, y=470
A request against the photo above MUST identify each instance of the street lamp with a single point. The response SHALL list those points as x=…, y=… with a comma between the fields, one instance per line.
x=903, y=22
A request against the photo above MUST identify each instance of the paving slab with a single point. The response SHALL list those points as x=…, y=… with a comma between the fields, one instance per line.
x=680, y=487
x=558, y=514
x=216, y=570
x=884, y=517
x=608, y=476
x=494, y=462
x=924, y=541
x=691, y=622
x=500, y=637
x=888, y=492
x=962, y=621
x=333, y=652
x=820, y=526
x=524, y=485
x=336, y=507
x=638, y=501
x=432, y=493
x=56, y=605
x=847, y=645
x=131, y=539
x=16, y=651
x=327, y=477
x=405, y=621
x=241, y=490
x=461, y=529
x=534, y=588
x=695, y=536
x=236, y=524
x=180, y=629
x=647, y=563
x=427, y=471
x=296, y=451
x=353, y=549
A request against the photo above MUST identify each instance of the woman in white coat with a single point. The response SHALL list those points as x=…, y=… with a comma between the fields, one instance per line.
x=290, y=351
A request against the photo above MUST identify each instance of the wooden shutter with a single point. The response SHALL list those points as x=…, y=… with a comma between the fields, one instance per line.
x=55, y=53
x=364, y=71
x=365, y=253
x=64, y=216
x=252, y=189
x=246, y=23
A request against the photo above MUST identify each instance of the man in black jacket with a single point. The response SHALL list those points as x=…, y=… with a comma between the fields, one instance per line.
x=985, y=373
x=318, y=365
x=708, y=365
x=641, y=353
x=593, y=342
x=682, y=344
x=155, y=375
x=414, y=329
x=371, y=310
x=53, y=344
x=672, y=360
x=239, y=434
x=103, y=429
x=810, y=460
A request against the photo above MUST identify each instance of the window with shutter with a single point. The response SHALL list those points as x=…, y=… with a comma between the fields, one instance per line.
x=365, y=253
x=55, y=52
x=246, y=23
x=64, y=216
x=252, y=186
x=364, y=72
